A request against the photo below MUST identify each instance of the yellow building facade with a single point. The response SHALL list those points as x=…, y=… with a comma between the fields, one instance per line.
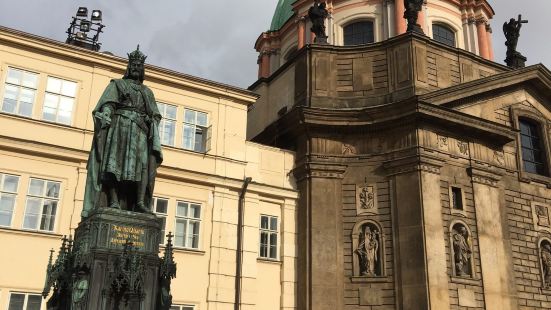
x=48, y=92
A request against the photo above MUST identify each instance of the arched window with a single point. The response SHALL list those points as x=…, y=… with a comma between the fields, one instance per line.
x=359, y=33
x=533, y=154
x=443, y=34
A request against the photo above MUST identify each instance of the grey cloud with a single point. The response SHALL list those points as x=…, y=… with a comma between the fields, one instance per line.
x=214, y=39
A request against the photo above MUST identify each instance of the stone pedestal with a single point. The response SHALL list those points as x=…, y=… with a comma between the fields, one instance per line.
x=113, y=263
x=515, y=60
x=101, y=239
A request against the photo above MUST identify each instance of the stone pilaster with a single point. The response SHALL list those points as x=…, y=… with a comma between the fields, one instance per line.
x=495, y=252
x=320, y=239
x=422, y=281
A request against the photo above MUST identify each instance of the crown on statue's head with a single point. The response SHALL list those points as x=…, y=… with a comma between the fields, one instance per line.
x=137, y=56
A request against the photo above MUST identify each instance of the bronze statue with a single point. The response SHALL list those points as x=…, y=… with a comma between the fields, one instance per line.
x=413, y=7
x=546, y=264
x=462, y=251
x=368, y=251
x=317, y=14
x=512, y=33
x=126, y=148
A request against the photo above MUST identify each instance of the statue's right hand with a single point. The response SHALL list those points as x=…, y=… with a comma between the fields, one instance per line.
x=105, y=118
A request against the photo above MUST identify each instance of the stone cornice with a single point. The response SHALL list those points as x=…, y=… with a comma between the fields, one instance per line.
x=537, y=75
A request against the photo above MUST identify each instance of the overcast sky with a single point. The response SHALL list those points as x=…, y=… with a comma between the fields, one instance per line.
x=214, y=39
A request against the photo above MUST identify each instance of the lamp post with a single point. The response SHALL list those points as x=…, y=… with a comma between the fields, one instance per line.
x=83, y=32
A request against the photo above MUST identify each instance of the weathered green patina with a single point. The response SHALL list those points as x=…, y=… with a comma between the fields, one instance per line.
x=126, y=148
x=284, y=11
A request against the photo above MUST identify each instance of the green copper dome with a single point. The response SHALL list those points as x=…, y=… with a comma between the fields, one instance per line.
x=283, y=12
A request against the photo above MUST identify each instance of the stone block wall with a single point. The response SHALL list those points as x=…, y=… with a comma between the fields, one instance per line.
x=368, y=292
x=525, y=249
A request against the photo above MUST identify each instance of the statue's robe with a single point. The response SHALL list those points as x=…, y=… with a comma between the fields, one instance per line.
x=128, y=146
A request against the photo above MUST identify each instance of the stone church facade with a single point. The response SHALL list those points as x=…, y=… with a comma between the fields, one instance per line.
x=423, y=168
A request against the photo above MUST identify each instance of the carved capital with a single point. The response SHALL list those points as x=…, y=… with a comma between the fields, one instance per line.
x=319, y=170
x=485, y=175
x=481, y=20
x=424, y=163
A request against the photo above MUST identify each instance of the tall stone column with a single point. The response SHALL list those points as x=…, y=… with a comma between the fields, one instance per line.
x=265, y=64
x=320, y=237
x=490, y=42
x=400, y=22
x=422, y=280
x=495, y=252
x=301, y=36
x=482, y=38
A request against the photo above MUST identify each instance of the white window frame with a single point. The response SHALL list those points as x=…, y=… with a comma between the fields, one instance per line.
x=165, y=119
x=42, y=197
x=269, y=231
x=19, y=87
x=59, y=96
x=161, y=215
x=206, y=137
x=8, y=193
x=187, y=219
x=25, y=301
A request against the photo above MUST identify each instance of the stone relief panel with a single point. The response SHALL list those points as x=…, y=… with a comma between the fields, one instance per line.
x=463, y=148
x=462, y=250
x=366, y=199
x=541, y=216
x=443, y=143
x=545, y=259
x=368, y=248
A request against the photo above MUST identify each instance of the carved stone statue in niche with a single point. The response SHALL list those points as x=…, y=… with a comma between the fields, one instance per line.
x=545, y=255
x=368, y=251
x=462, y=251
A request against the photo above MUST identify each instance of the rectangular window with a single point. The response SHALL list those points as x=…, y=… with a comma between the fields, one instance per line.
x=457, y=198
x=188, y=221
x=59, y=101
x=160, y=207
x=195, y=131
x=167, y=127
x=23, y=301
x=19, y=92
x=268, y=237
x=533, y=151
x=8, y=192
x=182, y=307
x=42, y=203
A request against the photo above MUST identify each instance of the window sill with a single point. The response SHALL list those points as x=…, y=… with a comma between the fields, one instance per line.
x=40, y=121
x=186, y=250
x=30, y=232
x=269, y=261
x=466, y=281
x=528, y=177
x=375, y=279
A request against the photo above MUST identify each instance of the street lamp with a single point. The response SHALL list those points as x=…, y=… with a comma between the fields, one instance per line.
x=80, y=27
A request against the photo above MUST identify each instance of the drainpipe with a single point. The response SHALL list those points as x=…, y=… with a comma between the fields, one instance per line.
x=239, y=252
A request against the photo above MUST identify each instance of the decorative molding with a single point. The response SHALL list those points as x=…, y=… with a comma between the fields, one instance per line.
x=319, y=170
x=414, y=163
x=485, y=176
